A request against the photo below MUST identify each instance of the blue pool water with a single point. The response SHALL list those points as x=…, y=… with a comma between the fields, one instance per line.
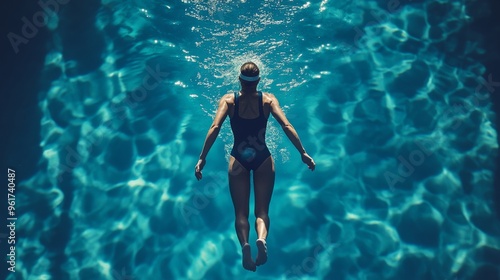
x=386, y=97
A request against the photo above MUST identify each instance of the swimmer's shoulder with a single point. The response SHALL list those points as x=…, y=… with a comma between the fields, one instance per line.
x=268, y=98
x=228, y=98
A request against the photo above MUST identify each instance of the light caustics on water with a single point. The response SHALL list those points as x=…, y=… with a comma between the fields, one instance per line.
x=401, y=136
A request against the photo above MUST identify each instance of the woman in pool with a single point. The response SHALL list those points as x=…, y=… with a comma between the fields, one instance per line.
x=249, y=110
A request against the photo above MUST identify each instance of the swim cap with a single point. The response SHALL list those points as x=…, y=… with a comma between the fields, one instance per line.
x=249, y=79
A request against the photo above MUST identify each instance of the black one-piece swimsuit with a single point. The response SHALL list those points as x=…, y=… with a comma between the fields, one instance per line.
x=249, y=137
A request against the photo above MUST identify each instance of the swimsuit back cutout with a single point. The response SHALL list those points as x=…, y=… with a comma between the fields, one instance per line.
x=249, y=136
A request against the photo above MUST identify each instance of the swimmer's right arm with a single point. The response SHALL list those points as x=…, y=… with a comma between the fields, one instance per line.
x=290, y=132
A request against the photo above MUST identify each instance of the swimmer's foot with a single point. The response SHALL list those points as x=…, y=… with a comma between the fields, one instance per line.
x=248, y=263
x=262, y=252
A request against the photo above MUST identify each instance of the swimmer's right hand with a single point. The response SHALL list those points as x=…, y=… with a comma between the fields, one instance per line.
x=197, y=169
x=307, y=159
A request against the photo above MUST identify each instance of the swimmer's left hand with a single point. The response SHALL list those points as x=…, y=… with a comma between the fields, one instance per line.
x=197, y=169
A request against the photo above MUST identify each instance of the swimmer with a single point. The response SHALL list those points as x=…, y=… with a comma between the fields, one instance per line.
x=248, y=111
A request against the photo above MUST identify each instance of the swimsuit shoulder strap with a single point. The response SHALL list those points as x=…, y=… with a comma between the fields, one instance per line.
x=261, y=107
x=236, y=103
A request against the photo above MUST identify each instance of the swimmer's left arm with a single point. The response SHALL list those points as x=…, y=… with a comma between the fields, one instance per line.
x=212, y=134
x=214, y=129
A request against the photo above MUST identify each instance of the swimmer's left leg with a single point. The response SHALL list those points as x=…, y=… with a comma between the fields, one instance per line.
x=263, y=179
x=239, y=186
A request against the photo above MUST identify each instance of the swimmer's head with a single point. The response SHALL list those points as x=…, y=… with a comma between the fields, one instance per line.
x=249, y=74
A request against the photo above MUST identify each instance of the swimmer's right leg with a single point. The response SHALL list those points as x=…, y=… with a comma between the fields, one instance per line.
x=239, y=186
x=263, y=179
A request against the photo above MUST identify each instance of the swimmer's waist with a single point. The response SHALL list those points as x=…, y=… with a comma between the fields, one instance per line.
x=242, y=147
x=251, y=138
